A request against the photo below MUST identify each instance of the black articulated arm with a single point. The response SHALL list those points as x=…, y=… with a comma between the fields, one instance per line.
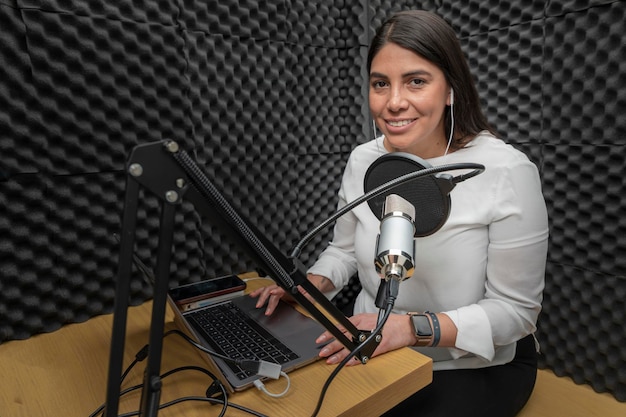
x=170, y=174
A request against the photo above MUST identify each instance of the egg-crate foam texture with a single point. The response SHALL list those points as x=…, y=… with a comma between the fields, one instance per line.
x=268, y=97
x=581, y=327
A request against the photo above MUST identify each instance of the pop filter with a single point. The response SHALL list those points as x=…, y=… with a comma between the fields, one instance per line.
x=430, y=194
x=411, y=178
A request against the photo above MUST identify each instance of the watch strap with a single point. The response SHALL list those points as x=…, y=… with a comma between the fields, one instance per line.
x=436, y=328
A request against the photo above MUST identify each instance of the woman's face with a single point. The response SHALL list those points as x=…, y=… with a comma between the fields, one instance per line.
x=407, y=97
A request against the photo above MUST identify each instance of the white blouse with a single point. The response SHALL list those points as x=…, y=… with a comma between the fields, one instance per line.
x=484, y=268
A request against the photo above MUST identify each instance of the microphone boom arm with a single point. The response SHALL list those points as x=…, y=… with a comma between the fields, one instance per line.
x=169, y=173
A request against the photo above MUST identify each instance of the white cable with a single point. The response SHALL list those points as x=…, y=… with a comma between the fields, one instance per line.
x=451, y=127
x=261, y=386
x=255, y=278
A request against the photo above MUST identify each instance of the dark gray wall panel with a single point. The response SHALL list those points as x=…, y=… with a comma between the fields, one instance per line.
x=560, y=7
x=328, y=101
x=241, y=95
x=145, y=11
x=270, y=97
x=584, y=185
x=380, y=10
x=474, y=17
x=581, y=327
x=260, y=20
x=507, y=65
x=102, y=87
x=585, y=65
x=326, y=23
x=25, y=261
x=317, y=198
x=22, y=133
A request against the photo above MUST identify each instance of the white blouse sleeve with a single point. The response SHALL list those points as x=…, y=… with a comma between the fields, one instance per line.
x=516, y=261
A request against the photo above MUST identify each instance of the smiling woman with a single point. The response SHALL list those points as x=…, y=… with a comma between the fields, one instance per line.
x=472, y=304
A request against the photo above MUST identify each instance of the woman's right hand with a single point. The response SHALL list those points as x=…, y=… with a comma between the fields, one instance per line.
x=271, y=295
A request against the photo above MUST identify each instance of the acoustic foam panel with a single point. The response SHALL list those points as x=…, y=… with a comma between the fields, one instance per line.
x=581, y=327
x=381, y=10
x=246, y=19
x=586, y=206
x=62, y=162
x=240, y=95
x=320, y=197
x=329, y=102
x=585, y=63
x=20, y=128
x=91, y=92
x=507, y=66
x=561, y=7
x=327, y=24
x=104, y=86
x=294, y=96
x=244, y=113
x=139, y=11
x=478, y=17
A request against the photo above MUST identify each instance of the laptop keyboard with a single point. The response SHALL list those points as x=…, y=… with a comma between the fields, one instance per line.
x=231, y=332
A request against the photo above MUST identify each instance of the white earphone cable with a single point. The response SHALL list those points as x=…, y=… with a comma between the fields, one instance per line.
x=451, y=122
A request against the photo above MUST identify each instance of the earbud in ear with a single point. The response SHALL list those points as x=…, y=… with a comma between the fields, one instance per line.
x=451, y=97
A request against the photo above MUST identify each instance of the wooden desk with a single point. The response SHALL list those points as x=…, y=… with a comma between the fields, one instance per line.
x=64, y=374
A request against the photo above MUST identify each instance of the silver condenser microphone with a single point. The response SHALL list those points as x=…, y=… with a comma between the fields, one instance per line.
x=395, y=247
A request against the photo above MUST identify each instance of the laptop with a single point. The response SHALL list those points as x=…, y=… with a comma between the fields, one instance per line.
x=237, y=329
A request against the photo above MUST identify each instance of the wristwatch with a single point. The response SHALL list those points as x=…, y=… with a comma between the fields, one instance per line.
x=423, y=329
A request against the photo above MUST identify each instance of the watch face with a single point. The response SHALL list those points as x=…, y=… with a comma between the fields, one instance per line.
x=422, y=325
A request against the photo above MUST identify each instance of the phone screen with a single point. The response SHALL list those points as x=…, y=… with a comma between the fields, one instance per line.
x=211, y=286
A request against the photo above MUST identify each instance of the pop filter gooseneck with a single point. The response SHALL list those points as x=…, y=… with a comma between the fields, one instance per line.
x=383, y=178
x=430, y=195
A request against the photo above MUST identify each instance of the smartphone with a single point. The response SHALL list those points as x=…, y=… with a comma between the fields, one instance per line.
x=198, y=294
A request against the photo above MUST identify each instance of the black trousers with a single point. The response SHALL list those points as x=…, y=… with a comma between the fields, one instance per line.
x=497, y=391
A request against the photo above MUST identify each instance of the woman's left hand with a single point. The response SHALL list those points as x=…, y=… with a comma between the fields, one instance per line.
x=397, y=333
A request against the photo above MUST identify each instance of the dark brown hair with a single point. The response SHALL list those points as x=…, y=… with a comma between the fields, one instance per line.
x=429, y=36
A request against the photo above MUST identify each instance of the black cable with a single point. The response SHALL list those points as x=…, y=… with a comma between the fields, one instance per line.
x=224, y=401
x=247, y=364
x=143, y=354
x=140, y=356
x=352, y=354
